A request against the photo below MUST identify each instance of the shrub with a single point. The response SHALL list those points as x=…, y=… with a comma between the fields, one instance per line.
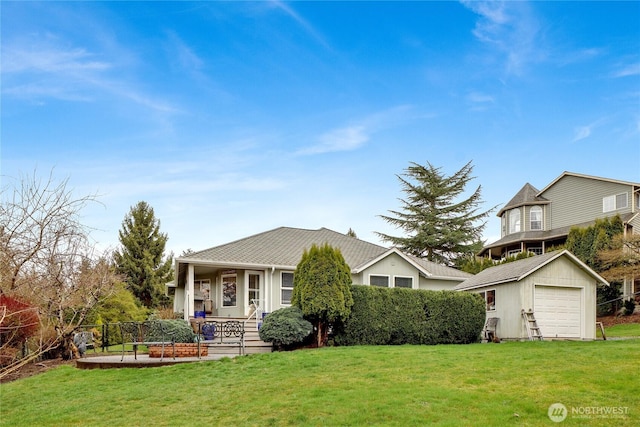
x=20, y=322
x=179, y=329
x=629, y=307
x=285, y=327
x=382, y=316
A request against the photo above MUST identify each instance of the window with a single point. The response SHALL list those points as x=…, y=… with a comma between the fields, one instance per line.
x=490, y=299
x=403, y=282
x=202, y=289
x=382, y=281
x=286, y=287
x=513, y=252
x=612, y=203
x=536, y=218
x=536, y=251
x=514, y=221
x=229, y=290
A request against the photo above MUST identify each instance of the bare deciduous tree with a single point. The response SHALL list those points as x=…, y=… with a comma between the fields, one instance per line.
x=621, y=262
x=47, y=258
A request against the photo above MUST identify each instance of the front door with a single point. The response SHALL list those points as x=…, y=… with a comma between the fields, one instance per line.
x=255, y=291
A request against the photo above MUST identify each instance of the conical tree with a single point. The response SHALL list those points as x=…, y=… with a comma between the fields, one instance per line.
x=438, y=226
x=141, y=257
x=321, y=288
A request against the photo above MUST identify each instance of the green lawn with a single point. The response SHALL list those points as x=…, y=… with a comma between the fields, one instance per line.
x=476, y=385
x=622, y=330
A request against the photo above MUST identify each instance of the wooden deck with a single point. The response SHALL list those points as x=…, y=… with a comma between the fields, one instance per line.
x=253, y=345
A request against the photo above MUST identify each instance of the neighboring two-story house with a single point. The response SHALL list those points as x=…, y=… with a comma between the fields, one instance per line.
x=535, y=220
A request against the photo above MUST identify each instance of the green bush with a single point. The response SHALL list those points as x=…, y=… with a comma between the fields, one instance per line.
x=285, y=327
x=383, y=316
x=178, y=329
x=629, y=307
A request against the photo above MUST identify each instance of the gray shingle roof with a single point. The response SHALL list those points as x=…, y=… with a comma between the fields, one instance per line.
x=507, y=272
x=528, y=195
x=284, y=247
x=439, y=270
x=517, y=270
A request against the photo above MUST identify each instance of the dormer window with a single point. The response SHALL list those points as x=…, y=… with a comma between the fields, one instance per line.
x=535, y=218
x=514, y=221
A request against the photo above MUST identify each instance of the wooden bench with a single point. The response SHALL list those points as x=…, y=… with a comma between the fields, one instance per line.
x=145, y=333
x=216, y=332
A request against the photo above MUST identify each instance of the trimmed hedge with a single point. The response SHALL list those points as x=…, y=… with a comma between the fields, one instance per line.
x=387, y=316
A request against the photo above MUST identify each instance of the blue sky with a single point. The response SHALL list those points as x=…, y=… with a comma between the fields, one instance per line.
x=232, y=118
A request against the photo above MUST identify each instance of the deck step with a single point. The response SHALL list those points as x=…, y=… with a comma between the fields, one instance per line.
x=252, y=342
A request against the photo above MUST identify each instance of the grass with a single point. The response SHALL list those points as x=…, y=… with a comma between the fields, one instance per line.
x=622, y=330
x=479, y=384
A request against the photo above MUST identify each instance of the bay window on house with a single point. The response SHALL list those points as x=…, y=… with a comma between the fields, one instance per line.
x=514, y=221
x=535, y=218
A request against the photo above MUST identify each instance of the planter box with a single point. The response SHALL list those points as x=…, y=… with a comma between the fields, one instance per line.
x=182, y=350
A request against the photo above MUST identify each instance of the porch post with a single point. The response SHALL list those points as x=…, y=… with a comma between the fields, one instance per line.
x=190, y=291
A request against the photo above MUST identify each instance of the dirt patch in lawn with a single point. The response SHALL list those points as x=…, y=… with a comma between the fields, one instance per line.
x=35, y=368
x=617, y=320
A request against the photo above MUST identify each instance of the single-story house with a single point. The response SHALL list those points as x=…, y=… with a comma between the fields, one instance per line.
x=233, y=279
x=558, y=287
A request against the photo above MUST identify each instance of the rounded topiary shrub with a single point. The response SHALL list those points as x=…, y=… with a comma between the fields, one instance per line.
x=178, y=329
x=285, y=327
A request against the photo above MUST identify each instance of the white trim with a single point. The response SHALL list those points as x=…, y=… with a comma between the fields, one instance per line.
x=380, y=275
x=261, y=289
x=495, y=294
x=221, y=293
x=413, y=281
x=541, y=211
x=282, y=287
x=583, y=312
x=382, y=256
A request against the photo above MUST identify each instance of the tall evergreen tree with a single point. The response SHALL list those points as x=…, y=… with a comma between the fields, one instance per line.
x=321, y=288
x=438, y=226
x=141, y=258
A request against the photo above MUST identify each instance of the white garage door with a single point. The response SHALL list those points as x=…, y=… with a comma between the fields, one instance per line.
x=558, y=311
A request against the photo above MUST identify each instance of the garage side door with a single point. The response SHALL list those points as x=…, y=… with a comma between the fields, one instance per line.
x=558, y=311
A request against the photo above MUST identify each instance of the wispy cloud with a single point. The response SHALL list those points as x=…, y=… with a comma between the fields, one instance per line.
x=42, y=67
x=583, y=132
x=511, y=28
x=357, y=134
x=301, y=21
x=343, y=139
x=50, y=59
x=627, y=70
x=479, y=101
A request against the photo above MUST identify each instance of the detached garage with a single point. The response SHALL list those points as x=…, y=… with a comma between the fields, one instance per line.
x=558, y=287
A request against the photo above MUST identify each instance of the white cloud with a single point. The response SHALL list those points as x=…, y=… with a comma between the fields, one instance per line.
x=511, y=28
x=45, y=67
x=583, y=132
x=627, y=70
x=356, y=135
x=343, y=139
x=301, y=21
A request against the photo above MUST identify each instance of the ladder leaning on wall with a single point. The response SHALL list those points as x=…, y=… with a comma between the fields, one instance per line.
x=533, y=330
